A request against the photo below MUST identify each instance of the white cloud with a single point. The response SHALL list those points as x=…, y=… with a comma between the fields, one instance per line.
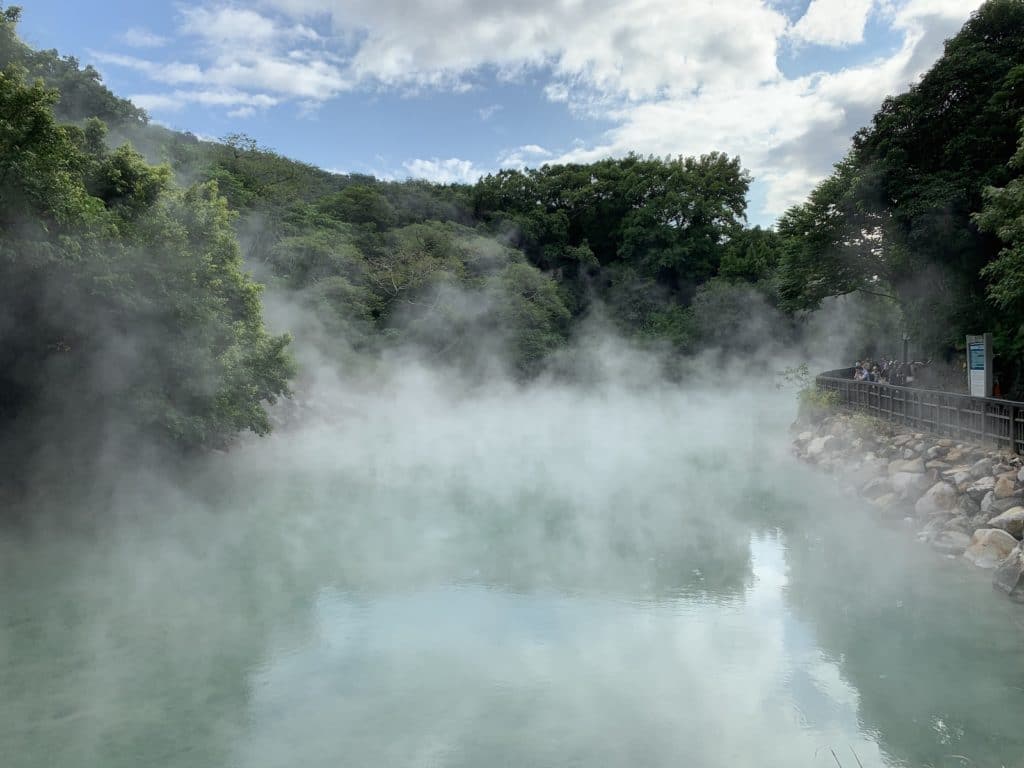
x=670, y=77
x=242, y=103
x=486, y=113
x=226, y=24
x=137, y=37
x=526, y=155
x=450, y=171
x=637, y=48
x=833, y=22
x=157, y=102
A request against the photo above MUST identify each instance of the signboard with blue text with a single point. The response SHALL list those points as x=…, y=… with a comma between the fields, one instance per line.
x=979, y=365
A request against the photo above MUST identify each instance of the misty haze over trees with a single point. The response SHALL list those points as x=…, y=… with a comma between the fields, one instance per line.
x=130, y=253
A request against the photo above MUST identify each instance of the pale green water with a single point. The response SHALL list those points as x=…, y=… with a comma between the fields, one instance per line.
x=614, y=584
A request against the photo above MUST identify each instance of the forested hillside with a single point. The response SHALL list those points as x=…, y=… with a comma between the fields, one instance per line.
x=125, y=248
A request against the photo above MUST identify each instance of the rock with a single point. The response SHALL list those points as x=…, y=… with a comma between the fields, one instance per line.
x=901, y=440
x=981, y=468
x=805, y=437
x=914, y=465
x=819, y=444
x=979, y=488
x=931, y=530
x=989, y=547
x=908, y=453
x=941, y=497
x=945, y=443
x=1009, y=574
x=965, y=505
x=907, y=484
x=960, y=523
x=1011, y=521
x=1020, y=475
x=886, y=502
x=955, y=455
x=1004, y=487
x=875, y=488
x=998, y=506
x=951, y=542
x=936, y=464
x=934, y=452
x=986, y=502
x=958, y=476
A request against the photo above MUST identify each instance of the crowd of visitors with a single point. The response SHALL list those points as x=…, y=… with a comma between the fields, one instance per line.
x=886, y=371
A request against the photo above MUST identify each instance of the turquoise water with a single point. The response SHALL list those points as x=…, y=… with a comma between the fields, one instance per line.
x=625, y=580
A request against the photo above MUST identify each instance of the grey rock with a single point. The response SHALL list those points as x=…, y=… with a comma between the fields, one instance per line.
x=913, y=465
x=875, y=488
x=960, y=523
x=981, y=468
x=965, y=505
x=958, y=477
x=909, y=484
x=940, y=498
x=1009, y=574
x=819, y=445
x=951, y=542
x=908, y=453
x=987, y=500
x=989, y=547
x=979, y=488
x=999, y=506
x=1011, y=521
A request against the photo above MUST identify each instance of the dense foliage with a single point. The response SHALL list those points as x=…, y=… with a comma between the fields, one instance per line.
x=119, y=292
x=896, y=218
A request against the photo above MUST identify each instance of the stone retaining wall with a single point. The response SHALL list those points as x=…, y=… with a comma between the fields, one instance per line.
x=963, y=500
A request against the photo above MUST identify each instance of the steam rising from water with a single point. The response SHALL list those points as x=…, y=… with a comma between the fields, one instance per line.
x=419, y=570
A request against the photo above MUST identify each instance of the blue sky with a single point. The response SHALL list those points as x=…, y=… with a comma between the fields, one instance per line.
x=450, y=89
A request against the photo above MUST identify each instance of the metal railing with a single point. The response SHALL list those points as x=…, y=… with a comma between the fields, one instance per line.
x=982, y=420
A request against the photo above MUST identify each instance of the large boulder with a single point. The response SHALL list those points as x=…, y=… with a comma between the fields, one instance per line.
x=998, y=506
x=819, y=445
x=941, y=497
x=981, y=468
x=951, y=542
x=876, y=487
x=960, y=523
x=958, y=476
x=915, y=466
x=987, y=501
x=909, y=484
x=965, y=505
x=979, y=488
x=1004, y=487
x=1009, y=574
x=989, y=547
x=1011, y=521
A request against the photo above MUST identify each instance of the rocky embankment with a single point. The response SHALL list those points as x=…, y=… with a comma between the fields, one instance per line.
x=962, y=499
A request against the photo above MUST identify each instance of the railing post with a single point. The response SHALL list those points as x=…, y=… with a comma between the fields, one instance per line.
x=1012, y=432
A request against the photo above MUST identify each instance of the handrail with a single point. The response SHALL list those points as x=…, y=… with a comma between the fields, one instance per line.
x=976, y=419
